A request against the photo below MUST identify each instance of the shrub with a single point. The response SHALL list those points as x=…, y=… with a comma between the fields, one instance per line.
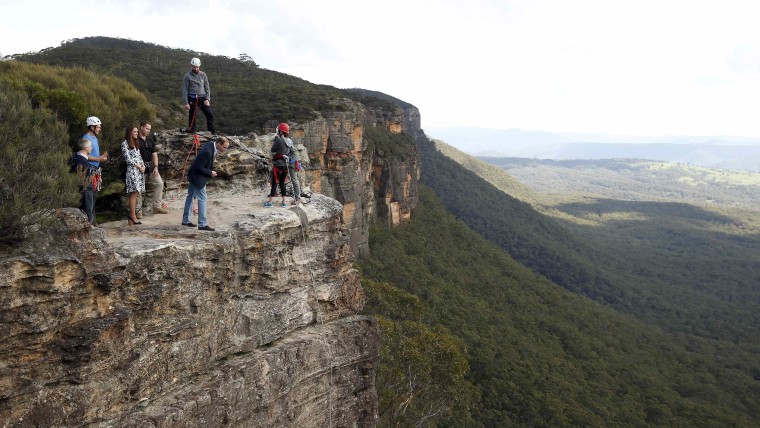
x=73, y=94
x=33, y=162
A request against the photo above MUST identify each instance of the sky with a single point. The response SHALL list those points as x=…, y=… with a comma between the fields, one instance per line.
x=620, y=67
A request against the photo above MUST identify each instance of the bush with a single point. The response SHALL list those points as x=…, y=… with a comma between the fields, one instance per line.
x=421, y=376
x=73, y=94
x=33, y=162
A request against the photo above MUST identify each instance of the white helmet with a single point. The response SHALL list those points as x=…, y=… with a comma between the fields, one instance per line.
x=195, y=62
x=93, y=121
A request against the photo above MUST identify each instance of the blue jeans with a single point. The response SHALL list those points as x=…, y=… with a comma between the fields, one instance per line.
x=87, y=204
x=294, y=179
x=200, y=195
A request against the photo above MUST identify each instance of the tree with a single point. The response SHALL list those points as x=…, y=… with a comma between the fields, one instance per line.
x=33, y=162
x=421, y=376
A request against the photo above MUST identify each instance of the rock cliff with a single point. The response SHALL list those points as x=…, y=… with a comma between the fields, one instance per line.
x=255, y=324
x=163, y=325
x=338, y=162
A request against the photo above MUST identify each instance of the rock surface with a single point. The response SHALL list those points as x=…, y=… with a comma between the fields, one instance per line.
x=164, y=325
x=252, y=325
x=337, y=163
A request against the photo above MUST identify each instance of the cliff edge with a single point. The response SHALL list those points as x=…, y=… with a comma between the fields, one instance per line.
x=164, y=325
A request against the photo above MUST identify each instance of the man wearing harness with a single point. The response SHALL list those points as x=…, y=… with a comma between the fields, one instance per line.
x=95, y=158
x=293, y=170
x=196, y=92
x=280, y=152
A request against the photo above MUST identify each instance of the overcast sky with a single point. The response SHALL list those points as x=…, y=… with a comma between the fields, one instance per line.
x=638, y=67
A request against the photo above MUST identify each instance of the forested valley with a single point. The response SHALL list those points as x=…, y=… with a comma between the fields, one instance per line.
x=591, y=312
x=592, y=299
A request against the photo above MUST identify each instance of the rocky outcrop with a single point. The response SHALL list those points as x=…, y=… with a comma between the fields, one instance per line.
x=253, y=325
x=338, y=162
x=162, y=325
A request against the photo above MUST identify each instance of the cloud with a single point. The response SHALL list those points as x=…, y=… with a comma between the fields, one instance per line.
x=648, y=67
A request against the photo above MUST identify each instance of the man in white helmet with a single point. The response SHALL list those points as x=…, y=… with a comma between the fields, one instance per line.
x=196, y=92
x=93, y=129
x=95, y=158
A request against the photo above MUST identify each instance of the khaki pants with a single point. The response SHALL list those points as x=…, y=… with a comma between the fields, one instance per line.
x=154, y=192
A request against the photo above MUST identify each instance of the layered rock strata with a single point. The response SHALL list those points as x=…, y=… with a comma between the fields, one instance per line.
x=164, y=325
x=337, y=162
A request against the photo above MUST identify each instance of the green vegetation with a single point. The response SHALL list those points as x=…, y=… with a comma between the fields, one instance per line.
x=636, y=180
x=245, y=97
x=491, y=173
x=33, y=161
x=543, y=356
x=69, y=96
x=683, y=267
x=74, y=94
x=387, y=144
x=498, y=306
x=420, y=378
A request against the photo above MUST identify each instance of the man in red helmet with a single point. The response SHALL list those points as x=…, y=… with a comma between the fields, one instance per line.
x=279, y=151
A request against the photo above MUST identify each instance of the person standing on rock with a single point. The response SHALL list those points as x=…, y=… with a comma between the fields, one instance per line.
x=196, y=92
x=293, y=168
x=81, y=166
x=279, y=174
x=94, y=126
x=134, y=178
x=201, y=170
x=153, y=178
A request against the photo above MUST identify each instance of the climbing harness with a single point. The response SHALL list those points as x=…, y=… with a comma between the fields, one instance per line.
x=195, y=112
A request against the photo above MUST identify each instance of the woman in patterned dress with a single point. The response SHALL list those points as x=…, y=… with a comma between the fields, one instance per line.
x=135, y=179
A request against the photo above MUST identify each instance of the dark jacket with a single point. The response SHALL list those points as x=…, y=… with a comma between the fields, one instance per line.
x=147, y=148
x=79, y=165
x=279, y=151
x=200, y=171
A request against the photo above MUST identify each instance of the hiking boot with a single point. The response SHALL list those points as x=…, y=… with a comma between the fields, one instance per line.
x=139, y=214
x=160, y=210
x=267, y=205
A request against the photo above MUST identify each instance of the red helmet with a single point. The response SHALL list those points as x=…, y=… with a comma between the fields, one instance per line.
x=284, y=128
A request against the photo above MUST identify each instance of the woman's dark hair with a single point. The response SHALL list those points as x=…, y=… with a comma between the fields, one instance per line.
x=131, y=141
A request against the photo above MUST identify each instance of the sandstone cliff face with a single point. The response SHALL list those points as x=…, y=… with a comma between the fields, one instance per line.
x=254, y=324
x=164, y=325
x=337, y=163
x=369, y=184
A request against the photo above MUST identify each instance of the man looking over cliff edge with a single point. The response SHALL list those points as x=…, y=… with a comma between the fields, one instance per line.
x=196, y=92
x=200, y=172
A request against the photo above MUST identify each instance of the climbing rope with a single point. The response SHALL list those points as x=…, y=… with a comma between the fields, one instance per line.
x=195, y=145
x=325, y=344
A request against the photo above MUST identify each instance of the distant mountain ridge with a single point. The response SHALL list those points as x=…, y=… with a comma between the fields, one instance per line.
x=710, y=151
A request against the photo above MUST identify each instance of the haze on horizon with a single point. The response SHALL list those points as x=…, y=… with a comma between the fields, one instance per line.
x=645, y=68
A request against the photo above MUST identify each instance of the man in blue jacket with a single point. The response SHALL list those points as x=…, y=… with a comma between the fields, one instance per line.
x=85, y=171
x=201, y=170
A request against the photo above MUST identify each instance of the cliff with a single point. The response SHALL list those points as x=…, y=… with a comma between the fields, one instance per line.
x=255, y=324
x=368, y=184
x=163, y=325
x=338, y=161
